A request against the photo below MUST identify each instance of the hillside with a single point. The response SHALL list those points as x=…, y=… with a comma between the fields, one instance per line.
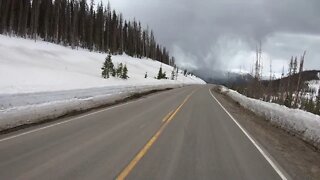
x=41, y=80
x=28, y=66
x=306, y=76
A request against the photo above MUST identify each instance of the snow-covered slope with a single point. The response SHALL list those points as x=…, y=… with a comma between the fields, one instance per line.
x=40, y=80
x=298, y=122
x=29, y=66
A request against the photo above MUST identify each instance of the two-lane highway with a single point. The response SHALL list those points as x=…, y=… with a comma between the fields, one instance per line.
x=178, y=134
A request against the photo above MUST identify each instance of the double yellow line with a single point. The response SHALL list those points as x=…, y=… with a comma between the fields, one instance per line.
x=125, y=172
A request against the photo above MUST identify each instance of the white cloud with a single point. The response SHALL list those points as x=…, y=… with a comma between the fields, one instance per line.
x=183, y=59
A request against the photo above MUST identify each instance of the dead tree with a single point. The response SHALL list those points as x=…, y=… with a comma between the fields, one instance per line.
x=256, y=86
x=269, y=91
x=281, y=87
x=299, y=78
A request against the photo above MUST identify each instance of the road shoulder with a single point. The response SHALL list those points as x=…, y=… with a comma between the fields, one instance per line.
x=299, y=159
x=113, y=101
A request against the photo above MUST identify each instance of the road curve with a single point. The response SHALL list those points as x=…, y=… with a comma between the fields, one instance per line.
x=178, y=134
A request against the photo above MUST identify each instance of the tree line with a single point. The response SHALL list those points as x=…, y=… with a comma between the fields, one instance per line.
x=76, y=23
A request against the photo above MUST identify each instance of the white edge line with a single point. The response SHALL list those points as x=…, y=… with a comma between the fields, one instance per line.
x=274, y=166
x=66, y=121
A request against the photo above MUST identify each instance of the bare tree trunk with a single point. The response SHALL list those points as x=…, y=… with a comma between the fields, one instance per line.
x=6, y=8
x=57, y=17
x=299, y=79
x=21, y=11
x=46, y=21
x=12, y=16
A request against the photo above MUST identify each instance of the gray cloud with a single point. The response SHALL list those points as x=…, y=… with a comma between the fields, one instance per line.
x=213, y=35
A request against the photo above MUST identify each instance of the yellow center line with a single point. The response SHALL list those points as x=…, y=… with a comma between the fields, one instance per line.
x=167, y=116
x=125, y=172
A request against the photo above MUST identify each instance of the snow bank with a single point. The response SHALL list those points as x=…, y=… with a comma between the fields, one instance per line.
x=44, y=106
x=298, y=122
x=41, y=80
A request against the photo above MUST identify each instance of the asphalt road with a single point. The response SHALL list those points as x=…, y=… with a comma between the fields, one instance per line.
x=178, y=134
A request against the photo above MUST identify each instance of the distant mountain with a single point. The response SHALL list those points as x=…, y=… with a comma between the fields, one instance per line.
x=242, y=79
x=228, y=78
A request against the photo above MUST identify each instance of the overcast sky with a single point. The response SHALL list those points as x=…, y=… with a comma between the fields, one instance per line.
x=211, y=35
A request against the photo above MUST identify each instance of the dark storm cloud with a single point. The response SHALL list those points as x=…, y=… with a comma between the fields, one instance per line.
x=222, y=34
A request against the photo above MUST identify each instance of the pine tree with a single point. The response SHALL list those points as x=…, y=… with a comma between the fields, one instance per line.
x=105, y=69
x=185, y=72
x=164, y=76
x=317, y=106
x=111, y=67
x=119, y=70
x=91, y=24
x=74, y=24
x=56, y=21
x=108, y=67
x=4, y=15
x=125, y=72
x=77, y=23
x=113, y=72
x=12, y=16
x=173, y=74
x=316, y=109
x=177, y=72
x=310, y=105
x=160, y=75
x=288, y=101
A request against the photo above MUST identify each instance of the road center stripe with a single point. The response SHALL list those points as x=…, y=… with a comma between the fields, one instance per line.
x=167, y=116
x=126, y=171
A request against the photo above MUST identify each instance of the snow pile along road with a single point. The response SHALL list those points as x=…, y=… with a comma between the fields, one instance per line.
x=298, y=122
x=21, y=109
x=40, y=80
